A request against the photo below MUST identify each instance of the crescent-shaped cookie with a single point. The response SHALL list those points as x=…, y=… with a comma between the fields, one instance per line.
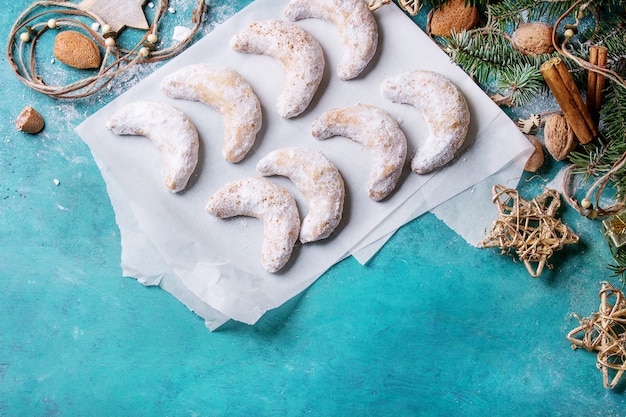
x=355, y=23
x=227, y=92
x=318, y=179
x=299, y=54
x=444, y=109
x=169, y=129
x=378, y=131
x=272, y=204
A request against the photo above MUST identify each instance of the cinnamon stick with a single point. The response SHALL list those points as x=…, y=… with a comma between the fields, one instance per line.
x=595, y=80
x=592, y=80
x=602, y=58
x=570, y=100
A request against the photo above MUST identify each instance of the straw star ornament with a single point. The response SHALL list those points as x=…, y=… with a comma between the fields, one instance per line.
x=604, y=332
x=118, y=13
x=528, y=227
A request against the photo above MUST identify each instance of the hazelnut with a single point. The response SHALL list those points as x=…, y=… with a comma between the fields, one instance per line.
x=535, y=161
x=29, y=121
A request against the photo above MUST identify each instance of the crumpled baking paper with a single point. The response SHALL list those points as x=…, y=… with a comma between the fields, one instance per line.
x=213, y=265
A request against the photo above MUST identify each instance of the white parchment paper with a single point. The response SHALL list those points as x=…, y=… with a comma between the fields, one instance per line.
x=213, y=265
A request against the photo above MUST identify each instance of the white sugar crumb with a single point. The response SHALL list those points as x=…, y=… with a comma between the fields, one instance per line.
x=56, y=182
x=95, y=26
x=171, y=10
x=151, y=5
x=181, y=33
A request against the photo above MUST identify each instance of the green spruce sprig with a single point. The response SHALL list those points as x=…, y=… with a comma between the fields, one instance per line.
x=595, y=160
x=489, y=57
x=523, y=81
x=482, y=53
x=507, y=14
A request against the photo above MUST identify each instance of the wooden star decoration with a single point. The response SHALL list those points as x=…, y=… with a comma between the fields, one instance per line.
x=118, y=13
x=605, y=332
x=526, y=125
x=528, y=227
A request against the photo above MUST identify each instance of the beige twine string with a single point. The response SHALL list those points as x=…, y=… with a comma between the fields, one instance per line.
x=116, y=60
x=599, y=185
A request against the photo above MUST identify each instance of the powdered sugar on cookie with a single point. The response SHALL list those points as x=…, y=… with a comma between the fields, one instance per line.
x=318, y=179
x=224, y=90
x=378, y=131
x=169, y=129
x=272, y=204
x=299, y=53
x=444, y=109
x=356, y=25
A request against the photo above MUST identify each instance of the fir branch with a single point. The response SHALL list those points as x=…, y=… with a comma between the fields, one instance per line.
x=488, y=56
x=612, y=34
x=605, y=162
x=509, y=13
x=524, y=81
x=613, y=129
x=610, y=6
x=619, y=269
x=613, y=114
x=436, y=4
x=482, y=53
x=591, y=160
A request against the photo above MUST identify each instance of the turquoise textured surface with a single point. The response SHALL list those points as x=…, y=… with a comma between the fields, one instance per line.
x=431, y=326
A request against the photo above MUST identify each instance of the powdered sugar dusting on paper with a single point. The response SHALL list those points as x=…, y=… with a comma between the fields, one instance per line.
x=218, y=15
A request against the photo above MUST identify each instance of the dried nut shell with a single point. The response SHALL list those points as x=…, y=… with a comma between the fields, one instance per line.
x=76, y=50
x=29, y=121
x=559, y=137
x=454, y=16
x=533, y=38
x=535, y=161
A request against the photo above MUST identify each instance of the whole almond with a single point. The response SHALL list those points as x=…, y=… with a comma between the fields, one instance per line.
x=559, y=137
x=76, y=50
x=534, y=38
x=535, y=161
x=29, y=121
x=454, y=16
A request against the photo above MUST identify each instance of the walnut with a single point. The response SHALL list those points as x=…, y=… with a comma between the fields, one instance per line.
x=533, y=38
x=559, y=137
